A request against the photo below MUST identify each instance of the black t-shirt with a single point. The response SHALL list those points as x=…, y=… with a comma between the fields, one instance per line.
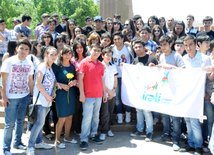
x=60, y=28
x=145, y=60
x=211, y=34
x=100, y=32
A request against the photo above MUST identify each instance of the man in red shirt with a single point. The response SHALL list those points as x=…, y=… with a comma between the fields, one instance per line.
x=92, y=89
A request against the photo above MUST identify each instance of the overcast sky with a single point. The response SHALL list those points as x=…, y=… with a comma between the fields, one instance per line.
x=178, y=9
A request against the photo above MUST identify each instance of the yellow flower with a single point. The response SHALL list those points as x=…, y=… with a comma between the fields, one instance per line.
x=69, y=76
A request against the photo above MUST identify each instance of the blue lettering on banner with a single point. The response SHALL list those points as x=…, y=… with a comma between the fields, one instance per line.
x=157, y=97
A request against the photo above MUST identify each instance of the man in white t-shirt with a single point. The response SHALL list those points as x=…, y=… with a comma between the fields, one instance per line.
x=121, y=54
x=17, y=80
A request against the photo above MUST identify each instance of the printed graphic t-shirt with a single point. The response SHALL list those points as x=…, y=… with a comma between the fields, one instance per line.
x=18, y=76
x=48, y=83
x=119, y=57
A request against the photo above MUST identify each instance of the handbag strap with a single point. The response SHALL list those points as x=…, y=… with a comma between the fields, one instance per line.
x=39, y=91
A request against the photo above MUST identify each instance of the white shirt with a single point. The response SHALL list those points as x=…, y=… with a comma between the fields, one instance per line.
x=109, y=73
x=17, y=83
x=48, y=84
x=120, y=56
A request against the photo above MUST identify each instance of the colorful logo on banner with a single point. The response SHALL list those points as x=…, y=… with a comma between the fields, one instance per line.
x=154, y=93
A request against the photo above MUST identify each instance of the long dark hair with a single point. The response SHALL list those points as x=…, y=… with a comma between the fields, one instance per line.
x=67, y=27
x=59, y=38
x=65, y=49
x=131, y=23
x=75, y=47
x=182, y=24
x=117, y=21
x=49, y=34
x=35, y=43
x=12, y=47
x=164, y=27
x=106, y=28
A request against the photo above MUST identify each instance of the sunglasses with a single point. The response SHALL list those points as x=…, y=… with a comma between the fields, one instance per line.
x=46, y=36
x=126, y=24
x=156, y=30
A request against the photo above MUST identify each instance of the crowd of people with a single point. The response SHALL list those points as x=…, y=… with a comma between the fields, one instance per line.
x=74, y=74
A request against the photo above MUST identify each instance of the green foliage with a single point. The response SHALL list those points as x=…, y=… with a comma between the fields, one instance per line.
x=75, y=9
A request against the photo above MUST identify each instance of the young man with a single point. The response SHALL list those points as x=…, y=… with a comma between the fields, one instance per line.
x=105, y=40
x=51, y=22
x=22, y=30
x=92, y=89
x=13, y=33
x=203, y=42
x=98, y=21
x=59, y=27
x=194, y=59
x=5, y=36
x=135, y=18
x=207, y=22
x=43, y=27
x=17, y=80
x=145, y=32
x=88, y=20
x=121, y=54
x=170, y=24
x=190, y=29
x=110, y=77
x=146, y=60
x=179, y=46
x=64, y=20
x=170, y=60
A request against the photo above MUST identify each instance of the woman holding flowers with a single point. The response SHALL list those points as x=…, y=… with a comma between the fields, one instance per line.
x=65, y=97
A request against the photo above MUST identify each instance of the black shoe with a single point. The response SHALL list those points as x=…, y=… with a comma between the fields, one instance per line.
x=83, y=146
x=187, y=149
x=148, y=137
x=198, y=151
x=96, y=139
x=163, y=138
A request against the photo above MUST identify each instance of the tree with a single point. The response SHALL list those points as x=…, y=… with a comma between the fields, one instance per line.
x=8, y=12
x=83, y=8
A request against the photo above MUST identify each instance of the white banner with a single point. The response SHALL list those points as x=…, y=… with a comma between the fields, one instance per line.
x=177, y=92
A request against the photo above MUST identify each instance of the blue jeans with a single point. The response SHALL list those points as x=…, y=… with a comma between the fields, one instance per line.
x=176, y=127
x=208, y=124
x=36, y=131
x=15, y=113
x=195, y=138
x=140, y=120
x=118, y=98
x=29, y=126
x=90, y=121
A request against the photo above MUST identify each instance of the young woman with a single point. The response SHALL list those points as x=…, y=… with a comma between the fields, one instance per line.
x=156, y=33
x=179, y=29
x=65, y=98
x=42, y=97
x=11, y=50
x=36, y=50
x=47, y=39
x=109, y=25
x=93, y=38
x=80, y=51
x=59, y=42
x=70, y=27
x=162, y=23
x=66, y=36
x=152, y=21
x=129, y=24
x=77, y=30
x=139, y=24
x=117, y=26
x=127, y=35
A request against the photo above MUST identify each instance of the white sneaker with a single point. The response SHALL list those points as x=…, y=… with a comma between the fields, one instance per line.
x=119, y=118
x=128, y=117
x=73, y=141
x=7, y=153
x=30, y=151
x=102, y=136
x=60, y=146
x=110, y=134
x=43, y=145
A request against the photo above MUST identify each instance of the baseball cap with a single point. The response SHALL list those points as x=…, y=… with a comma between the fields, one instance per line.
x=16, y=20
x=98, y=18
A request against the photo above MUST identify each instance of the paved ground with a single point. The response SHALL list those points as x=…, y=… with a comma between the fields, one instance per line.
x=121, y=144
